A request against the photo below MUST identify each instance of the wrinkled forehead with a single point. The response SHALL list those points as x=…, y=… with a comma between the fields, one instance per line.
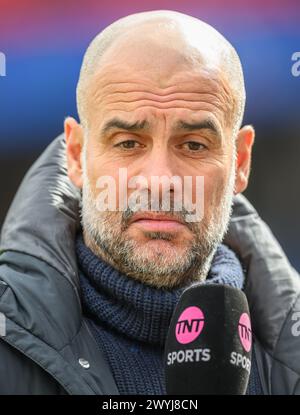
x=162, y=58
x=126, y=87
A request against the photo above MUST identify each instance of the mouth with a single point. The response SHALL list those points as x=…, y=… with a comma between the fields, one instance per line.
x=157, y=222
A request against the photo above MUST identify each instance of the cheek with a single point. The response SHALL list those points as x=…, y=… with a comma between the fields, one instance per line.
x=96, y=162
x=214, y=188
x=106, y=177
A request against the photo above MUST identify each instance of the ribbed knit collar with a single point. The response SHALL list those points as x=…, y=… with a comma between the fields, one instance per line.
x=134, y=309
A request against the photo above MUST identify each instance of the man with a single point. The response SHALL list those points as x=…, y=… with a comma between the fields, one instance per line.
x=87, y=305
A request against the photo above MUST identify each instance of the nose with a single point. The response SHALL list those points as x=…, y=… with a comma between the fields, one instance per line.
x=158, y=169
x=158, y=162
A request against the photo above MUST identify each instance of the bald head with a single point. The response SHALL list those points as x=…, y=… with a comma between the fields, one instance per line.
x=164, y=43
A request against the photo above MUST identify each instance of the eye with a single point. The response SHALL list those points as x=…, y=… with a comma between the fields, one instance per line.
x=127, y=145
x=194, y=146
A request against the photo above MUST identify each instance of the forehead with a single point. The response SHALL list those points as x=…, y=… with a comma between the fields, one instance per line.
x=125, y=89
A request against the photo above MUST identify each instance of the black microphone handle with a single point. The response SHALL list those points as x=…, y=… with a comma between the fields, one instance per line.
x=208, y=347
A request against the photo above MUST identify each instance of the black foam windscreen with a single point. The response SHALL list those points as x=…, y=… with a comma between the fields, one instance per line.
x=208, y=347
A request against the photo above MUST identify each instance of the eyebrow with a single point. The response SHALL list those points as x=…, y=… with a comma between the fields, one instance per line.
x=119, y=124
x=207, y=124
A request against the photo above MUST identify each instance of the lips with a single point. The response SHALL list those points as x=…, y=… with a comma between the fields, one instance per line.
x=157, y=222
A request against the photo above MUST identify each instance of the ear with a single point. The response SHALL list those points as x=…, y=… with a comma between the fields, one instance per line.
x=74, y=141
x=244, y=143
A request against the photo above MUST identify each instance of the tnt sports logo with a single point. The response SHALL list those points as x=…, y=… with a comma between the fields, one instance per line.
x=245, y=332
x=189, y=325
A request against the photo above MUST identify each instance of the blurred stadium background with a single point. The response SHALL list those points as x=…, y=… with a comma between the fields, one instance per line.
x=44, y=42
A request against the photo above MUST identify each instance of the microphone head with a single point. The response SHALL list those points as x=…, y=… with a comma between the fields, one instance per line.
x=208, y=347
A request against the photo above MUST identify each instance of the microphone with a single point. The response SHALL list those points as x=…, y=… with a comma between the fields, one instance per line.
x=208, y=347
